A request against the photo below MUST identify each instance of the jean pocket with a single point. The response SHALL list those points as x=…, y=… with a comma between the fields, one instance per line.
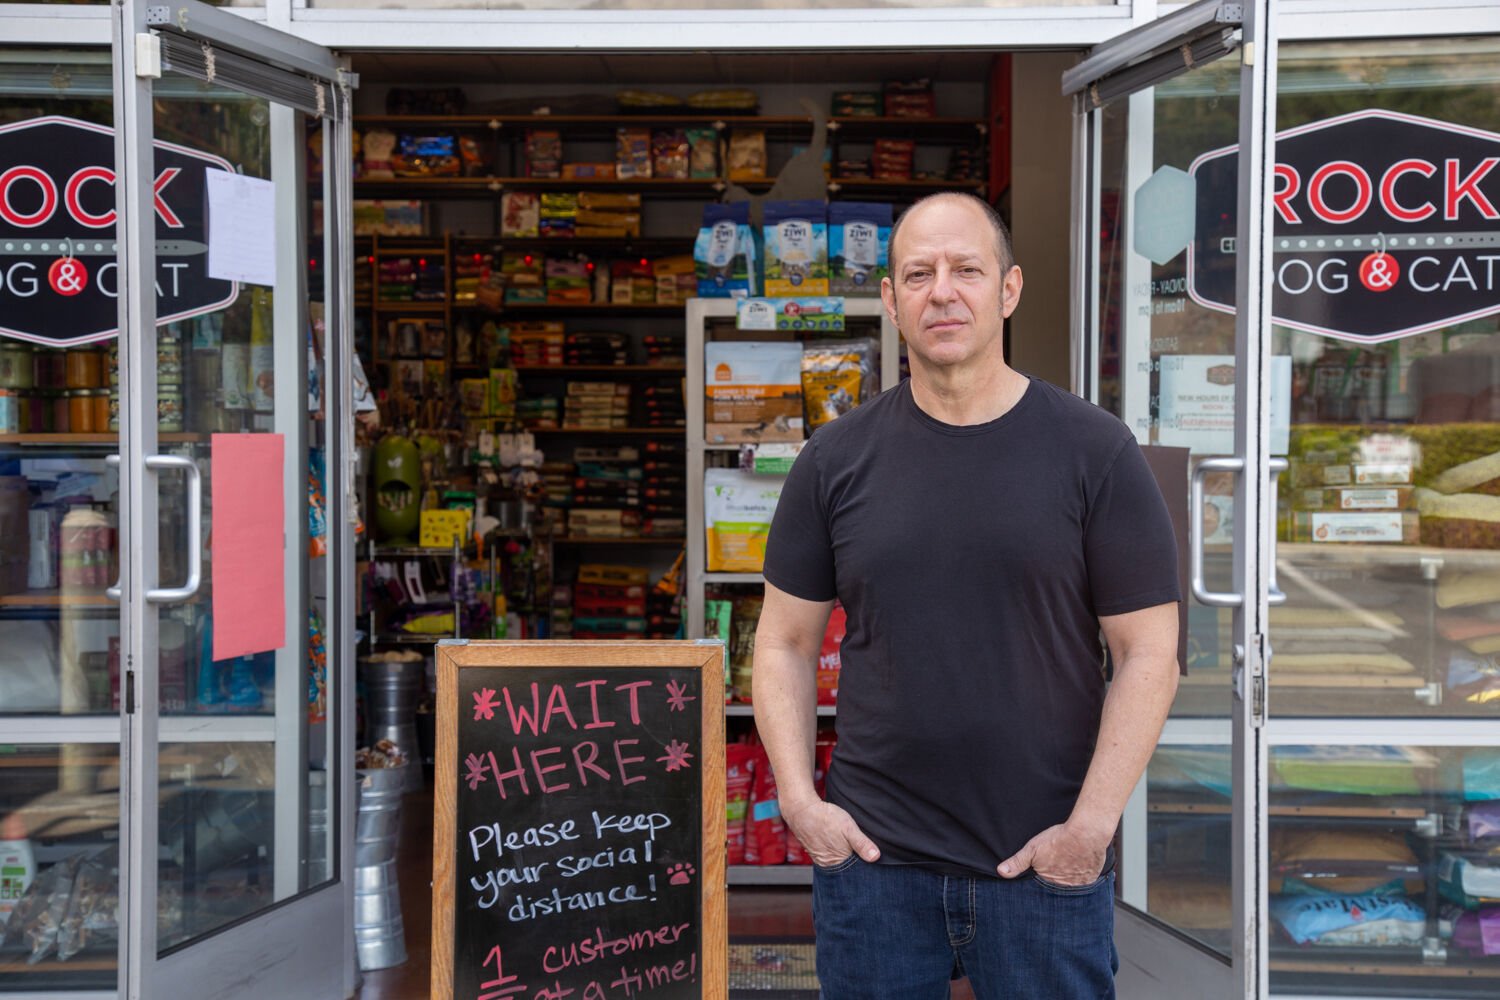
x=1070, y=890
x=837, y=867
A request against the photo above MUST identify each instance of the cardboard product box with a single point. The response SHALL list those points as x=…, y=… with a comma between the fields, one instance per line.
x=520, y=213
x=610, y=200
x=1395, y=527
x=388, y=218
x=1382, y=474
x=543, y=153
x=588, y=171
x=441, y=528
x=1354, y=498
x=633, y=153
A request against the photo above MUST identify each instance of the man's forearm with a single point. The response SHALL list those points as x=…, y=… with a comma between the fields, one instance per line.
x=784, y=690
x=1135, y=709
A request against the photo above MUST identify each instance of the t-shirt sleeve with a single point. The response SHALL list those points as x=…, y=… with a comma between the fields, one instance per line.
x=799, y=551
x=1129, y=544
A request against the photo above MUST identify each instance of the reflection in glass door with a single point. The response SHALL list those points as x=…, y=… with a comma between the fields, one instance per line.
x=234, y=566
x=1385, y=688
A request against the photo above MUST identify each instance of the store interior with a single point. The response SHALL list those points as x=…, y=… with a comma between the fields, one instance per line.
x=1355, y=828
x=586, y=355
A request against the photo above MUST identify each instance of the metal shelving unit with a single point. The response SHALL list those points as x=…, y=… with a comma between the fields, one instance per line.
x=700, y=313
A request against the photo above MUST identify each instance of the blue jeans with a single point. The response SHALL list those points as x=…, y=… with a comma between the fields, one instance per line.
x=898, y=932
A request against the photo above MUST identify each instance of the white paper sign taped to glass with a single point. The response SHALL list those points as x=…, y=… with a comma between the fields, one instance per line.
x=1197, y=403
x=241, y=228
x=58, y=280
x=1385, y=225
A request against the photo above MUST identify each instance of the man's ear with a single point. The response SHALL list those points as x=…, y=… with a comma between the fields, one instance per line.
x=888, y=297
x=1010, y=291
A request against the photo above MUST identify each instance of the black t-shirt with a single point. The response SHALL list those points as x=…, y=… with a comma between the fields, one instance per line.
x=973, y=563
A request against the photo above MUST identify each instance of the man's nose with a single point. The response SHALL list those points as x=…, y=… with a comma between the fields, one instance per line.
x=942, y=284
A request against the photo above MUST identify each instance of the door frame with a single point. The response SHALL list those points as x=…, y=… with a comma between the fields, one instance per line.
x=286, y=947
x=1123, y=68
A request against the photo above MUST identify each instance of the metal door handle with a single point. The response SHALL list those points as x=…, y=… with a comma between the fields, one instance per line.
x=164, y=595
x=117, y=591
x=1274, y=594
x=1212, y=598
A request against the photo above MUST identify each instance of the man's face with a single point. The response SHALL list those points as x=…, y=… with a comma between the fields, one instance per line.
x=948, y=293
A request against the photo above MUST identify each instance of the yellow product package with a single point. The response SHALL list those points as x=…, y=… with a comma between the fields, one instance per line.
x=738, y=507
x=837, y=375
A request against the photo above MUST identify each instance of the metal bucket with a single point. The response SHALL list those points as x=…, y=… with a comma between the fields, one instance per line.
x=379, y=936
x=377, y=822
x=391, y=691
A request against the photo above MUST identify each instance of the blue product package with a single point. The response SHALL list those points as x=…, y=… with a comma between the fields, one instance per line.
x=796, y=246
x=859, y=238
x=1390, y=919
x=724, y=253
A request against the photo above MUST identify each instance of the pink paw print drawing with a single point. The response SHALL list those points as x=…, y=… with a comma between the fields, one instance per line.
x=681, y=874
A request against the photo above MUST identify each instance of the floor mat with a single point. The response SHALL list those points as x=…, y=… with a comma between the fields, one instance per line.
x=772, y=970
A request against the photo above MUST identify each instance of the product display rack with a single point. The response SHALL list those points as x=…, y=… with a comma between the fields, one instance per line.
x=501, y=140
x=502, y=137
x=702, y=315
x=402, y=552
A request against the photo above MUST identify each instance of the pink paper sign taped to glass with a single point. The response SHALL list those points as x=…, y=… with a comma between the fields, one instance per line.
x=248, y=548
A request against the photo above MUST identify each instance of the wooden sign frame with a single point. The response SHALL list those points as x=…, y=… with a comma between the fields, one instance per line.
x=705, y=656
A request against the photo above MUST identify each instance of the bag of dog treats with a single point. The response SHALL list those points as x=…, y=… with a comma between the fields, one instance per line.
x=765, y=834
x=739, y=775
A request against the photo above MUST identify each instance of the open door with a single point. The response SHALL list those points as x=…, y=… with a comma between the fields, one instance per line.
x=1160, y=112
x=233, y=399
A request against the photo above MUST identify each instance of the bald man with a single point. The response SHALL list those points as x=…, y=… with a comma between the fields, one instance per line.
x=982, y=528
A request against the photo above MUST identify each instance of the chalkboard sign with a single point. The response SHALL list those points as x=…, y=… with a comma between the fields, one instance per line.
x=579, y=832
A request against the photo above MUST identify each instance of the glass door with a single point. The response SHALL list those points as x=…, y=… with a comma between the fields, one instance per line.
x=234, y=569
x=1166, y=333
x=1384, y=849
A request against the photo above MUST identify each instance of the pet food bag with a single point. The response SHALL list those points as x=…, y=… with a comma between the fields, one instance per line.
x=830, y=656
x=837, y=375
x=796, y=242
x=739, y=776
x=765, y=831
x=725, y=252
x=859, y=237
x=738, y=508
x=753, y=391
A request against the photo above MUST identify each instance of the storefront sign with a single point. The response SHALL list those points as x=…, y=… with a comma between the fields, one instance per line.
x=580, y=821
x=58, y=281
x=1386, y=225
